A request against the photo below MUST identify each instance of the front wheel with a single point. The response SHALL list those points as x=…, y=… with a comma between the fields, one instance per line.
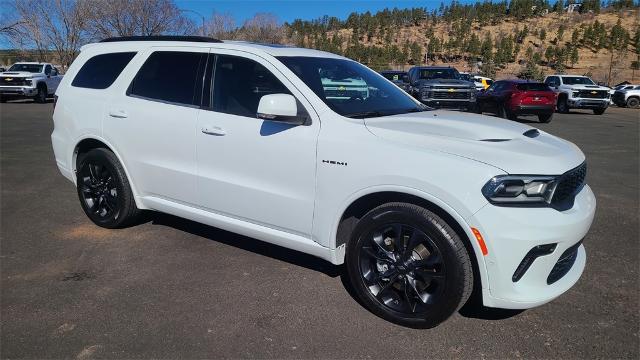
x=104, y=191
x=633, y=102
x=599, y=111
x=408, y=266
x=562, y=106
x=41, y=95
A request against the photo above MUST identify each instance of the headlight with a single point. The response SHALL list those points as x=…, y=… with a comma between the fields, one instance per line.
x=575, y=94
x=474, y=92
x=520, y=189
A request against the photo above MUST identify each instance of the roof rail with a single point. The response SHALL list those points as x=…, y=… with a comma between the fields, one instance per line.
x=162, y=38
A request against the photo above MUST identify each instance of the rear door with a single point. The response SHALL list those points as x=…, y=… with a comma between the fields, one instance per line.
x=251, y=169
x=153, y=122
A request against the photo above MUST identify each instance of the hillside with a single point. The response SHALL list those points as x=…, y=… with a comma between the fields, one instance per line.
x=461, y=43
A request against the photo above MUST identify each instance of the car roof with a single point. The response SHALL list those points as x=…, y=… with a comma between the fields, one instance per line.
x=271, y=49
x=392, y=72
x=522, y=81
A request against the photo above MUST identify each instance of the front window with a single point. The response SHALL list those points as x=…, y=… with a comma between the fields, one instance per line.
x=577, y=80
x=447, y=73
x=351, y=89
x=32, y=68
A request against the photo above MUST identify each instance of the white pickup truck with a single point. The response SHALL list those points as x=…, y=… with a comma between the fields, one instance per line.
x=578, y=92
x=29, y=80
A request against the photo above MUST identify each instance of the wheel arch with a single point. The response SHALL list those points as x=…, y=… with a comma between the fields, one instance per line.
x=87, y=143
x=366, y=202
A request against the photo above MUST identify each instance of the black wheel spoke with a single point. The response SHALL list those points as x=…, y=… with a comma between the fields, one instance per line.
x=379, y=242
x=371, y=252
x=430, y=262
x=415, y=239
x=409, y=297
x=387, y=285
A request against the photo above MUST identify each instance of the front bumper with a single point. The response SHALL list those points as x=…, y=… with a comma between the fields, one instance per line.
x=511, y=232
x=18, y=91
x=588, y=103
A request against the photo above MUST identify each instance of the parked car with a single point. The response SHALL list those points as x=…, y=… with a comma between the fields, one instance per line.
x=578, y=92
x=627, y=96
x=421, y=205
x=441, y=87
x=29, y=80
x=510, y=98
x=397, y=77
x=482, y=82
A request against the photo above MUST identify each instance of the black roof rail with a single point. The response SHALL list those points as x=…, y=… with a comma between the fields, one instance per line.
x=162, y=38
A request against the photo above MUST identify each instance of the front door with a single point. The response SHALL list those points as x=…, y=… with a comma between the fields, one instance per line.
x=251, y=169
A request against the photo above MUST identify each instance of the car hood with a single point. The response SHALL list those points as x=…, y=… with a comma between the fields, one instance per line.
x=18, y=74
x=510, y=146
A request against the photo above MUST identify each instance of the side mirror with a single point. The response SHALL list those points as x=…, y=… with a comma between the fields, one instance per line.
x=279, y=108
x=405, y=78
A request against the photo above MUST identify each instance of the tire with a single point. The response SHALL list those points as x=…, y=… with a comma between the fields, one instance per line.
x=562, y=106
x=545, y=118
x=506, y=114
x=425, y=286
x=3, y=99
x=633, y=102
x=41, y=96
x=599, y=111
x=478, y=109
x=104, y=191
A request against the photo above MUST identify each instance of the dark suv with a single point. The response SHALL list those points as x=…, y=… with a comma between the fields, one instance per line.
x=397, y=77
x=442, y=87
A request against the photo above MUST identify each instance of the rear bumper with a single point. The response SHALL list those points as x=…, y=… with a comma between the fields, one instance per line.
x=533, y=109
x=511, y=233
x=588, y=103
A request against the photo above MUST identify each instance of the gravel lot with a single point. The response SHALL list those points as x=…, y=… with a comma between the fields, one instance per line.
x=171, y=288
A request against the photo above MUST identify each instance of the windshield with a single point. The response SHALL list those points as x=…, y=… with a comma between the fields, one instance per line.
x=351, y=89
x=576, y=80
x=439, y=74
x=465, y=77
x=32, y=68
x=393, y=76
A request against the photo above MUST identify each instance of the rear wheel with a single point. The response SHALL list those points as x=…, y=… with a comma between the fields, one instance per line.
x=562, y=106
x=104, y=191
x=545, y=118
x=408, y=266
x=599, y=111
x=633, y=102
x=41, y=95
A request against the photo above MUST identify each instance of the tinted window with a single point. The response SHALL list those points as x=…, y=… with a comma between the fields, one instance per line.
x=239, y=84
x=577, y=80
x=171, y=76
x=47, y=70
x=101, y=71
x=552, y=81
x=350, y=88
x=446, y=73
x=533, y=87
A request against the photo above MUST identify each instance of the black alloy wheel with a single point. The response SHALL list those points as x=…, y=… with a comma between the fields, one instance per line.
x=402, y=268
x=103, y=189
x=408, y=266
x=545, y=118
x=41, y=95
x=599, y=111
x=562, y=106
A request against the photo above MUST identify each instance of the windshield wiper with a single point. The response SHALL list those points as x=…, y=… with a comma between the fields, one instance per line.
x=364, y=114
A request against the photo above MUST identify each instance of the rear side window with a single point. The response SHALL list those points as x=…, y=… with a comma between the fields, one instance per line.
x=171, y=76
x=101, y=71
x=533, y=87
x=239, y=84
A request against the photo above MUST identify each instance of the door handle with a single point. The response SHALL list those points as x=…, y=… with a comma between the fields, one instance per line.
x=213, y=130
x=120, y=114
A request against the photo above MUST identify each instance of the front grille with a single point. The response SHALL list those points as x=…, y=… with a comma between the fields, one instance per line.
x=593, y=94
x=569, y=184
x=14, y=81
x=446, y=95
x=564, y=264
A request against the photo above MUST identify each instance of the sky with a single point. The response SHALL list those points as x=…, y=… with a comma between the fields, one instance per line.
x=289, y=10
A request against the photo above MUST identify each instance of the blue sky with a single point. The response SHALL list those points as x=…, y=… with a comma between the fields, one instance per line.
x=288, y=10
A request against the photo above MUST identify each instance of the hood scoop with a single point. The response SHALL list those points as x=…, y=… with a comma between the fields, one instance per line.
x=531, y=133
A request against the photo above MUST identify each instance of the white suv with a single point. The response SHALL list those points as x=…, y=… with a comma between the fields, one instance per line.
x=422, y=206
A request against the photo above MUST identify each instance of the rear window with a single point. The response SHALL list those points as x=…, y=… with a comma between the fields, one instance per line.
x=101, y=71
x=533, y=87
x=171, y=76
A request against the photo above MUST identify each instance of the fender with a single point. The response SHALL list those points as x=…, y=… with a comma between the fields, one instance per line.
x=418, y=193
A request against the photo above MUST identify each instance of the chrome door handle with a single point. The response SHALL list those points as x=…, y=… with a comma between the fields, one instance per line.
x=214, y=130
x=120, y=114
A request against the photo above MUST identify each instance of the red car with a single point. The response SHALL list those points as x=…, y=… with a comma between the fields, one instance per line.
x=510, y=98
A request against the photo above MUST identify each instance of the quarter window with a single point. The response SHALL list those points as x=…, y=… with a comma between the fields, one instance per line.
x=171, y=76
x=239, y=83
x=101, y=71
